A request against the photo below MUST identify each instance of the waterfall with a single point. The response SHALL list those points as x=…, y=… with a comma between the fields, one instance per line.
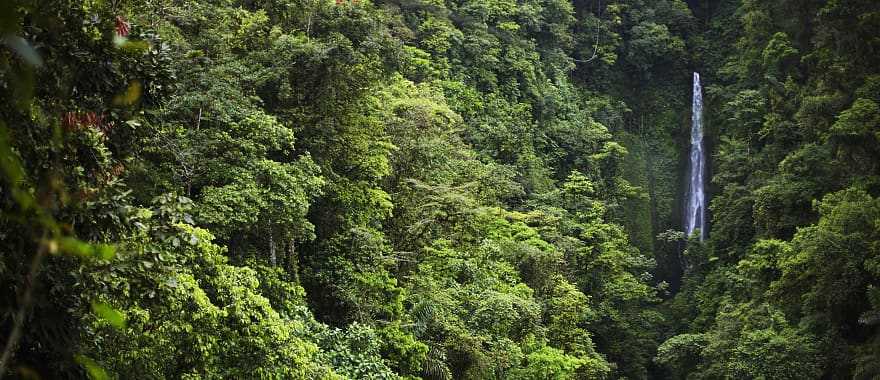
x=695, y=212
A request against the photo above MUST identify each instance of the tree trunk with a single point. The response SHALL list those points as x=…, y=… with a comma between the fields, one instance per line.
x=292, y=260
x=272, y=257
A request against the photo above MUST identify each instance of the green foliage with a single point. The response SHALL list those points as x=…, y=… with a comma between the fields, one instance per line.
x=785, y=286
x=550, y=363
x=186, y=301
x=681, y=353
x=463, y=189
x=354, y=353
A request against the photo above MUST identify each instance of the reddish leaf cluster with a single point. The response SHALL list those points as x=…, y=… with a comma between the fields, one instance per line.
x=72, y=121
x=113, y=172
x=341, y=2
x=85, y=194
x=122, y=27
x=117, y=170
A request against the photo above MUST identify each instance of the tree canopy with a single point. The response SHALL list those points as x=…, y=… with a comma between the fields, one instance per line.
x=460, y=189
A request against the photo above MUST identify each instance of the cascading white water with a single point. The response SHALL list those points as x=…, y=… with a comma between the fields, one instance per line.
x=695, y=213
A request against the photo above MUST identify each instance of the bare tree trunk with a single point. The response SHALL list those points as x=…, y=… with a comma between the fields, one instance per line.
x=292, y=260
x=272, y=257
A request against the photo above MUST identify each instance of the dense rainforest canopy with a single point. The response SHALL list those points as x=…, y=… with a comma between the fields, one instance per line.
x=458, y=189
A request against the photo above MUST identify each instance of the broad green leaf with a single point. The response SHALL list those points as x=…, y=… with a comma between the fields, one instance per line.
x=95, y=371
x=106, y=312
